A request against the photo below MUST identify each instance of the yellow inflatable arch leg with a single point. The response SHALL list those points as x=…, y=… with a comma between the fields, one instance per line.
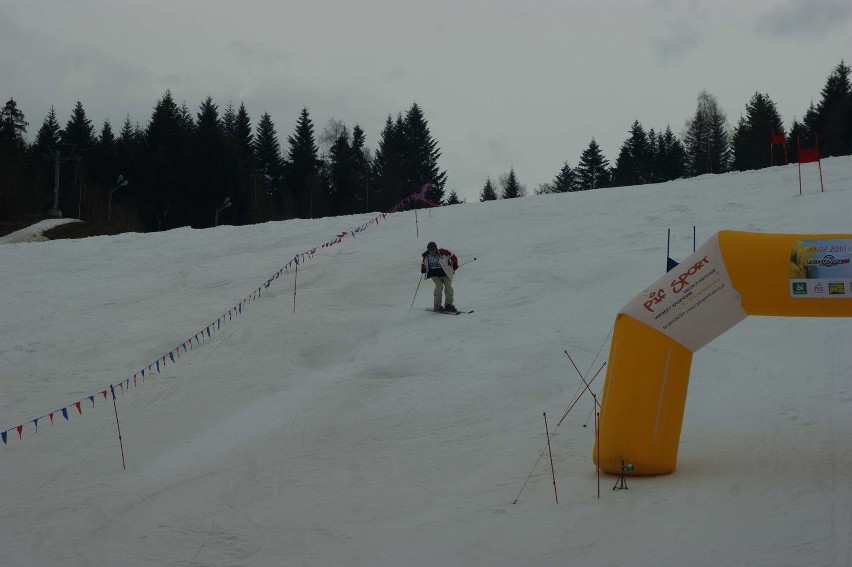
x=646, y=370
x=733, y=275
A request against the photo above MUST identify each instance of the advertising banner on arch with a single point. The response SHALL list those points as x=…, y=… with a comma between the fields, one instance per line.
x=821, y=268
x=693, y=303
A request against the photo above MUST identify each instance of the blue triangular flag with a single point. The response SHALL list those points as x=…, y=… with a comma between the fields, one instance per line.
x=670, y=264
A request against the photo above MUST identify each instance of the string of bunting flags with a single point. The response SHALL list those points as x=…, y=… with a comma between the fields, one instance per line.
x=196, y=340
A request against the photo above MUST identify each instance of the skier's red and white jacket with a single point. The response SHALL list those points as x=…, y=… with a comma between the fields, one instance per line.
x=449, y=263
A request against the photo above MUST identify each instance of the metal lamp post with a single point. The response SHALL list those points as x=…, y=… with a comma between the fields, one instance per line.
x=227, y=203
x=119, y=183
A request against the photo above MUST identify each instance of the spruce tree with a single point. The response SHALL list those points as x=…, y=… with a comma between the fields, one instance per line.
x=453, y=199
x=593, y=169
x=333, y=188
x=488, y=193
x=642, y=154
x=103, y=173
x=229, y=121
x=810, y=121
x=215, y=172
x=270, y=165
x=301, y=175
x=185, y=120
x=14, y=200
x=421, y=156
x=656, y=146
x=388, y=166
x=833, y=118
x=720, y=140
x=800, y=134
x=128, y=146
x=48, y=135
x=128, y=150
x=751, y=139
x=242, y=134
x=744, y=153
x=360, y=171
x=42, y=152
x=341, y=177
x=13, y=126
x=670, y=162
x=79, y=130
x=241, y=146
x=511, y=188
x=168, y=174
x=106, y=138
x=565, y=181
x=79, y=136
x=634, y=165
x=624, y=173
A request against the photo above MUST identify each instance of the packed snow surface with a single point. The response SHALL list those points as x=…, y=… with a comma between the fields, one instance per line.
x=334, y=426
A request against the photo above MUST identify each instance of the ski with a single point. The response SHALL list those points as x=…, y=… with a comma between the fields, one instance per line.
x=451, y=312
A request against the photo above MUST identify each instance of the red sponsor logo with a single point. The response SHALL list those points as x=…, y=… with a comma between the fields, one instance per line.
x=677, y=285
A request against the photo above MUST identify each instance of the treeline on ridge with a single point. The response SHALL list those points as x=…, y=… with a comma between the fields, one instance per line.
x=211, y=166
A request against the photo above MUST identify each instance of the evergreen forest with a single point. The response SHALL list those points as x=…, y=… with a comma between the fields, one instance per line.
x=210, y=165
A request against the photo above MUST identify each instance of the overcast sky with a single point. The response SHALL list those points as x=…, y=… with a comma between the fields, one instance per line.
x=503, y=83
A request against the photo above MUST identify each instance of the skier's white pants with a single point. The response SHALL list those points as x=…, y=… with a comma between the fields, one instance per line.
x=443, y=285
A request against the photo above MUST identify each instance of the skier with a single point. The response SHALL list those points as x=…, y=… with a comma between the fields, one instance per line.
x=440, y=265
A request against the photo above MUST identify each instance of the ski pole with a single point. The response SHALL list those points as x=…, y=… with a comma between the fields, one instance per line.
x=468, y=262
x=415, y=294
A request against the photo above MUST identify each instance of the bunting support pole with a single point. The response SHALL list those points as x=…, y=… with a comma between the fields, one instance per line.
x=295, y=286
x=120, y=442
x=552, y=473
x=416, y=226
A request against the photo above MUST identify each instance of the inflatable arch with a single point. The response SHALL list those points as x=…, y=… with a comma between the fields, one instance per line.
x=733, y=275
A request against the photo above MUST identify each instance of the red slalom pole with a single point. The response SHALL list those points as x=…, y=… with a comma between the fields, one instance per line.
x=552, y=473
x=120, y=442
